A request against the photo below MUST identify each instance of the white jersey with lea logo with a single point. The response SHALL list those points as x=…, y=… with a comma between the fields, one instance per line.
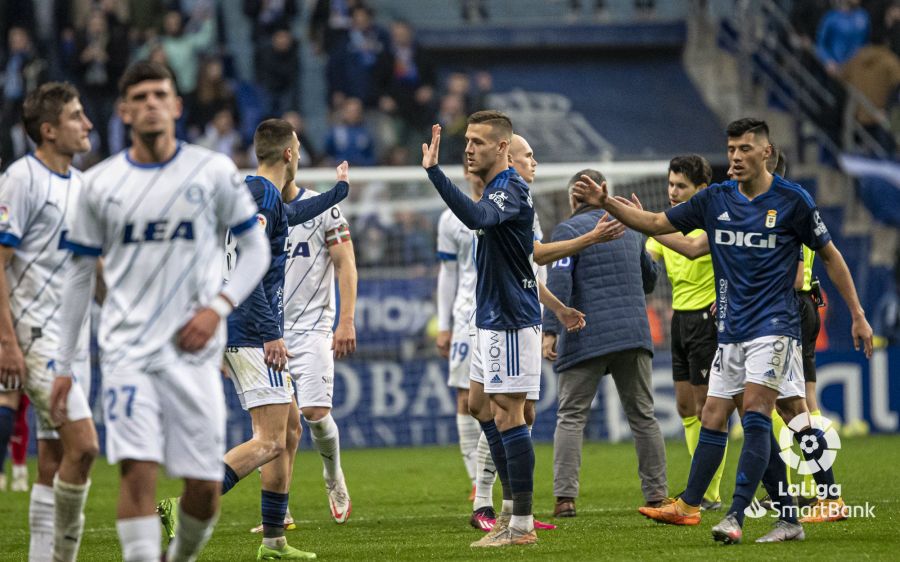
x=160, y=228
x=34, y=204
x=309, y=296
x=454, y=239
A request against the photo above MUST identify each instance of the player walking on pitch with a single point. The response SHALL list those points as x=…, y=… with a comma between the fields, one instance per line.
x=756, y=225
x=38, y=193
x=318, y=251
x=157, y=213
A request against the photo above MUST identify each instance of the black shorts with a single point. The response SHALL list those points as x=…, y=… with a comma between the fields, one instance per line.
x=810, y=323
x=694, y=345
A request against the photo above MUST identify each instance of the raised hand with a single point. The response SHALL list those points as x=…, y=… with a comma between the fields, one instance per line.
x=587, y=191
x=430, y=151
x=343, y=172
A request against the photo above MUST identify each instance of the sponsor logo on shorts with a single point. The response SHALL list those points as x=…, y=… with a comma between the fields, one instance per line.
x=496, y=380
x=494, y=352
x=770, y=374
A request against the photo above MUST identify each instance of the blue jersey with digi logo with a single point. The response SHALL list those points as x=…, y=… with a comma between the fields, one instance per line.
x=754, y=246
x=506, y=293
x=260, y=318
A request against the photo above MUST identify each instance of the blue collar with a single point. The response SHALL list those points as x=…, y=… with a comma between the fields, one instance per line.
x=151, y=165
x=57, y=174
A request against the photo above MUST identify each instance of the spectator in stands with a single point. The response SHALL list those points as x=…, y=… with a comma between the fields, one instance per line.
x=182, y=47
x=411, y=241
x=350, y=139
x=805, y=17
x=366, y=64
x=269, y=16
x=841, y=33
x=309, y=155
x=278, y=71
x=222, y=136
x=452, y=117
x=875, y=71
x=145, y=17
x=213, y=94
x=102, y=54
x=23, y=69
x=329, y=29
x=608, y=283
x=410, y=92
x=892, y=27
x=473, y=10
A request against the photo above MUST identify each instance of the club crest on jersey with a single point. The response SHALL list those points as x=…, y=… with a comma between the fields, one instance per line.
x=261, y=219
x=4, y=214
x=157, y=231
x=499, y=198
x=770, y=218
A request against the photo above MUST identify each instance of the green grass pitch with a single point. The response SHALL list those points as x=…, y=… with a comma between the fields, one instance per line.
x=410, y=504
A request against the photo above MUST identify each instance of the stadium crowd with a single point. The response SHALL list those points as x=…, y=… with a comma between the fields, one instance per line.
x=380, y=85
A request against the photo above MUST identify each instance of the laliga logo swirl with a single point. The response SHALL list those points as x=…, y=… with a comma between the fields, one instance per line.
x=818, y=439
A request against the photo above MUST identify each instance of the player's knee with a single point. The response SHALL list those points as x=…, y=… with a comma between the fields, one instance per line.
x=314, y=414
x=82, y=454
x=530, y=413
x=685, y=409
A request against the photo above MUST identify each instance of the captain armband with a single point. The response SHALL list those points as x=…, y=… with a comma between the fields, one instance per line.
x=339, y=235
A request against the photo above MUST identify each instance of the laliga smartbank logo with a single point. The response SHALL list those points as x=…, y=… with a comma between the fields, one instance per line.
x=819, y=441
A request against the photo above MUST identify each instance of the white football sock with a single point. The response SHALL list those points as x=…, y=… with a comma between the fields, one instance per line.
x=191, y=535
x=69, y=521
x=140, y=538
x=40, y=523
x=485, y=475
x=469, y=430
x=522, y=522
x=506, y=507
x=327, y=440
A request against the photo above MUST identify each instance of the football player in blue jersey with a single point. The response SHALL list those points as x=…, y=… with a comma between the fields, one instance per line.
x=756, y=224
x=508, y=343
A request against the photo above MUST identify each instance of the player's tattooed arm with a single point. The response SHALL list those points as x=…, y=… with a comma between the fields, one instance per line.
x=588, y=191
x=12, y=362
x=839, y=274
x=344, y=342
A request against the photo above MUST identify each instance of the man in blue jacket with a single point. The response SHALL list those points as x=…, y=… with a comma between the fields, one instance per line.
x=608, y=283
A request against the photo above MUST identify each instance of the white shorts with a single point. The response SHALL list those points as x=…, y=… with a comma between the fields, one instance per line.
x=508, y=361
x=40, y=382
x=771, y=361
x=171, y=414
x=312, y=367
x=461, y=350
x=255, y=383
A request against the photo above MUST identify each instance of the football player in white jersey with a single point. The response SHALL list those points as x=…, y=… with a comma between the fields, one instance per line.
x=37, y=193
x=158, y=212
x=455, y=307
x=320, y=251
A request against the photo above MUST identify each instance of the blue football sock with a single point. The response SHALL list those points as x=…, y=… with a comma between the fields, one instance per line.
x=274, y=507
x=498, y=455
x=7, y=421
x=707, y=457
x=753, y=463
x=231, y=478
x=824, y=478
x=775, y=481
x=520, y=464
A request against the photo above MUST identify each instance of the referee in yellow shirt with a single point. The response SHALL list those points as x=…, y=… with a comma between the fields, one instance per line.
x=693, y=330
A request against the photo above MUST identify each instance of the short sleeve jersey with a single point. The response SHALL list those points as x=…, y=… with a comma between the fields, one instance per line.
x=506, y=294
x=456, y=243
x=310, y=300
x=160, y=228
x=34, y=205
x=754, y=246
x=245, y=328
